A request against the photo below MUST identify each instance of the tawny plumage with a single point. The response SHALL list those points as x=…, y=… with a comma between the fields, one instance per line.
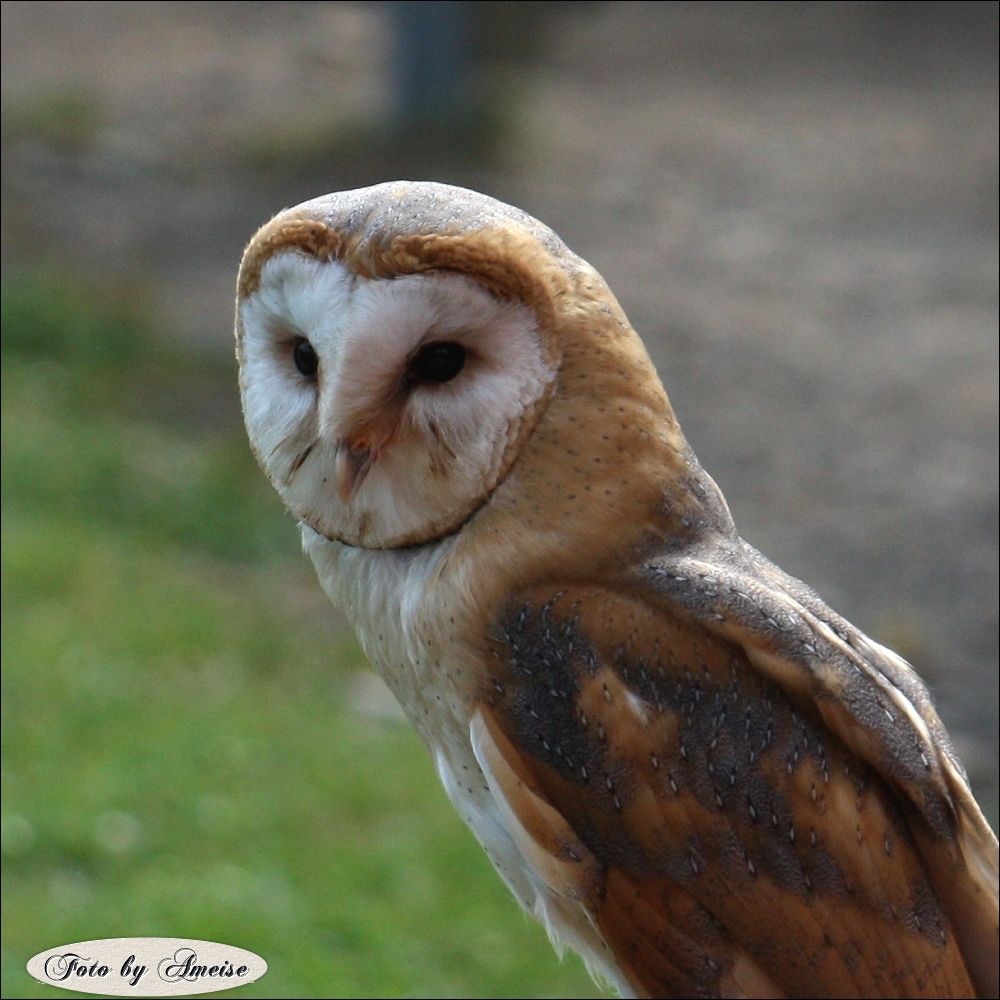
x=678, y=758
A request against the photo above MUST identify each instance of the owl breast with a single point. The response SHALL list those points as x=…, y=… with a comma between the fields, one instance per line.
x=404, y=605
x=394, y=599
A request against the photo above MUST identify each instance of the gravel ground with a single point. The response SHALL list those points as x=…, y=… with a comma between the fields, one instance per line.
x=795, y=203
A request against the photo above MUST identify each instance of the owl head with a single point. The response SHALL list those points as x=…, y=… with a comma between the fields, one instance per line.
x=406, y=348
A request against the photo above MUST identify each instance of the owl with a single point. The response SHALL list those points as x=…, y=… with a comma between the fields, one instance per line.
x=677, y=757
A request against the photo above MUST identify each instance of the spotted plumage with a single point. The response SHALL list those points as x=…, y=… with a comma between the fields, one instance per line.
x=678, y=758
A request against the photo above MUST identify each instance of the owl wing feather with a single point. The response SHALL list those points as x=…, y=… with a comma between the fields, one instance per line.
x=747, y=796
x=873, y=701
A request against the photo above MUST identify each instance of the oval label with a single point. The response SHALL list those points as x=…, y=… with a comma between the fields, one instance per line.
x=147, y=967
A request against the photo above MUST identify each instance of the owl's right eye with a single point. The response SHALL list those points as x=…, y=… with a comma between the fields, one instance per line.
x=304, y=355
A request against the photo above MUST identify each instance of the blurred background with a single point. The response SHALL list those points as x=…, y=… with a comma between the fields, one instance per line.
x=796, y=204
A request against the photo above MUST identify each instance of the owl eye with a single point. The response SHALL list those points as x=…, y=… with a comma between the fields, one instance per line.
x=304, y=355
x=439, y=361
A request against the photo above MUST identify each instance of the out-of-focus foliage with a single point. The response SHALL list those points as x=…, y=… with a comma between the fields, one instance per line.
x=66, y=120
x=181, y=754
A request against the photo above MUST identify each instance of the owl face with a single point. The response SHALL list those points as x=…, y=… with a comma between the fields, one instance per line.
x=385, y=410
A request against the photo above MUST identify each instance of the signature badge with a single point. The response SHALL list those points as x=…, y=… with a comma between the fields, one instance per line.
x=147, y=967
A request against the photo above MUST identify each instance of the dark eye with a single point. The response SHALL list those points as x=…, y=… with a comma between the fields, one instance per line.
x=439, y=361
x=305, y=357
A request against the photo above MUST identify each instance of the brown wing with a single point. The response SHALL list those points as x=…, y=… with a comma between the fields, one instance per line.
x=717, y=830
x=869, y=698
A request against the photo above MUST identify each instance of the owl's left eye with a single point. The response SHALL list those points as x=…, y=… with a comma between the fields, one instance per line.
x=438, y=361
x=304, y=355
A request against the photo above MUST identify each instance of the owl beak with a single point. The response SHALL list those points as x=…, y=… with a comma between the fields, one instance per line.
x=352, y=465
x=360, y=448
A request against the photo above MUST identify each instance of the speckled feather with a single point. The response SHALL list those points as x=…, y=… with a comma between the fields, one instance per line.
x=676, y=755
x=692, y=778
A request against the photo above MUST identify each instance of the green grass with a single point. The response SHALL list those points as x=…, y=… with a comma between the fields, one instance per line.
x=180, y=754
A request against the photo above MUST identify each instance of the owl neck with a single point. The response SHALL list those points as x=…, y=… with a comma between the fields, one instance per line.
x=606, y=475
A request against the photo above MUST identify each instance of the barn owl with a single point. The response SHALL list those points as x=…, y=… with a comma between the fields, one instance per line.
x=678, y=758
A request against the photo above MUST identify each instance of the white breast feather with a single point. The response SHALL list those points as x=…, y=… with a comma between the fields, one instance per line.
x=394, y=599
